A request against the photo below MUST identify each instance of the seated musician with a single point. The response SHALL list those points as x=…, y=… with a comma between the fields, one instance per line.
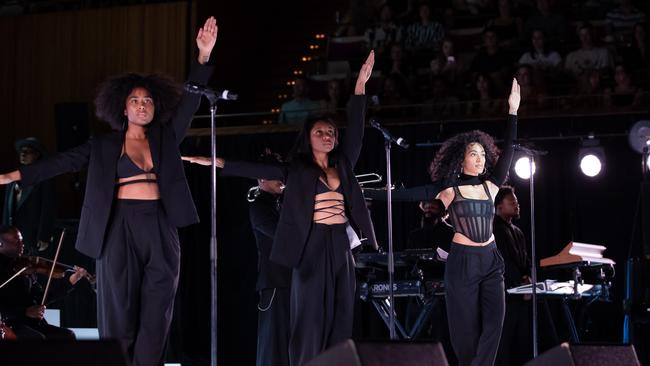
x=21, y=297
x=434, y=232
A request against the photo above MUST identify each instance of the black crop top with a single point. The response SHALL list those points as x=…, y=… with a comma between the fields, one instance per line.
x=126, y=168
x=337, y=206
x=472, y=217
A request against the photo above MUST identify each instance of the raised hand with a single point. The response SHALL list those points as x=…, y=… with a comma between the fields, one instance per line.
x=515, y=98
x=364, y=74
x=204, y=160
x=206, y=38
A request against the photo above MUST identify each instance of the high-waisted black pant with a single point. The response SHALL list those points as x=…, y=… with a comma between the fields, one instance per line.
x=475, y=302
x=137, y=276
x=322, y=294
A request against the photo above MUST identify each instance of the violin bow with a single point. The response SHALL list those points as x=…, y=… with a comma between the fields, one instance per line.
x=56, y=258
x=14, y=276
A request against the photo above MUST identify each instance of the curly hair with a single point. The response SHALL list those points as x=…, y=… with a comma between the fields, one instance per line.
x=446, y=165
x=112, y=93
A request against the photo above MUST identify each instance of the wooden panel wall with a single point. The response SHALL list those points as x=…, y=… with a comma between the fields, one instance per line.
x=53, y=58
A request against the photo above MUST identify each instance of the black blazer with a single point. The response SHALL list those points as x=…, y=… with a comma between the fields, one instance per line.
x=301, y=178
x=101, y=155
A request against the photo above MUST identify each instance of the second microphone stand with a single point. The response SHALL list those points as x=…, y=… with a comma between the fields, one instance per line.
x=533, y=267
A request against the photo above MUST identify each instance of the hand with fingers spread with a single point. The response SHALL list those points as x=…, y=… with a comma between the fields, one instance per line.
x=515, y=98
x=364, y=74
x=206, y=38
x=204, y=160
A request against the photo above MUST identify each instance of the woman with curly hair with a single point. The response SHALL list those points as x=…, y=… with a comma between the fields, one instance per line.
x=471, y=172
x=136, y=196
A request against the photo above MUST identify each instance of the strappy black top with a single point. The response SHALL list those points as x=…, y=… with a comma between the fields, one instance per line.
x=472, y=217
x=126, y=168
x=337, y=206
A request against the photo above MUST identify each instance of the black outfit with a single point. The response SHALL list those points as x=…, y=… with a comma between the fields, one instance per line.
x=515, y=345
x=32, y=212
x=23, y=292
x=273, y=283
x=322, y=293
x=474, y=286
x=134, y=241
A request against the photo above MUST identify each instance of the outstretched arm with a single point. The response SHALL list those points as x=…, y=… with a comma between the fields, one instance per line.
x=199, y=74
x=72, y=160
x=243, y=169
x=351, y=145
x=500, y=171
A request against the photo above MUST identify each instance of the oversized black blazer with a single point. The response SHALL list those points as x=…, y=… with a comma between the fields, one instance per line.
x=101, y=155
x=301, y=178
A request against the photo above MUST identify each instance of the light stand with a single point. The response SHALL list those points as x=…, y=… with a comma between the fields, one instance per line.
x=533, y=266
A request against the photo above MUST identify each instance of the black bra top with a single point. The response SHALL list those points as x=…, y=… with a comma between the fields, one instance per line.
x=472, y=217
x=322, y=187
x=126, y=168
x=336, y=207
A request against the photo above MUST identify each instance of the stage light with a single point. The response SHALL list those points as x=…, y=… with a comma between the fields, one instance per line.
x=590, y=165
x=591, y=157
x=522, y=167
x=639, y=139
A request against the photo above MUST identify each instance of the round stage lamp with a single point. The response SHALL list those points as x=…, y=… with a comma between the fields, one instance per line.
x=590, y=165
x=522, y=167
x=591, y=157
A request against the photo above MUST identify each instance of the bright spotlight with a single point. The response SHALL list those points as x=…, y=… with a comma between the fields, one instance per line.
x=590, y=165
x=522, y=167
x=591, y=157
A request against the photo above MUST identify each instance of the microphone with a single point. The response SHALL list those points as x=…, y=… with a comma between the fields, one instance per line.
x=387, y=135
x=202, y=89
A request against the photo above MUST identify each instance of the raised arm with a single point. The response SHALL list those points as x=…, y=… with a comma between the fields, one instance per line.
x=199, y=74
x=351, y=145
x=500, y=171
x=72, y=160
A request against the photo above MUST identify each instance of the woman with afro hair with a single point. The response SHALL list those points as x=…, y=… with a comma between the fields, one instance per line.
x=136, y=196
x=471, y=172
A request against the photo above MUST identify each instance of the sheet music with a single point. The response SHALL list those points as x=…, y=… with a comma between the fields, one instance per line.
x=551, y=287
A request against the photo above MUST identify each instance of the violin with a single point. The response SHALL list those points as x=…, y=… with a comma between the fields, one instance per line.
x=43, y=266
x=6, y=334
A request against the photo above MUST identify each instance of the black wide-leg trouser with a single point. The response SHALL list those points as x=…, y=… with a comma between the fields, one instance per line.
x=322, y=294
x=137, y=276
x=475, y=299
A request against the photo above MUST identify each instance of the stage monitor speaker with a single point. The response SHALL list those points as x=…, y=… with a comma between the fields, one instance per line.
x=71, y=125
x=62, y=353
x=587, y=355
x=351, y=353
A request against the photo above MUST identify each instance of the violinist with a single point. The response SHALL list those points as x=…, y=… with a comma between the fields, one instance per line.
x=20, y=299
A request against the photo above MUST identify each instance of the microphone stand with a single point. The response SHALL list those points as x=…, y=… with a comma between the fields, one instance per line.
x=391, y=263
x=213, y=98
x=533, y=266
